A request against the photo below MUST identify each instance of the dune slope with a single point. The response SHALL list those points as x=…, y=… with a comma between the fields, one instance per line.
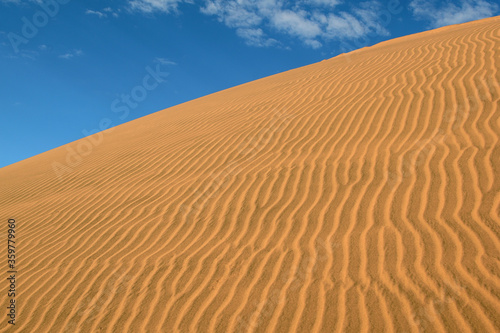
x=359, y=193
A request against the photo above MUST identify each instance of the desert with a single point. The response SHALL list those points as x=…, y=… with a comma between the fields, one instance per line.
x=356, y=194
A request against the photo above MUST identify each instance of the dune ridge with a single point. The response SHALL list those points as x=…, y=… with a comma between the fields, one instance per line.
x=360, y=193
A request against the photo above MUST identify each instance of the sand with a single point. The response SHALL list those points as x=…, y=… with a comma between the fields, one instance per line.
x=361, y=193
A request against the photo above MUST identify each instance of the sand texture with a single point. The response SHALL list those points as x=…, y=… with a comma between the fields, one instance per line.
x=360, y=193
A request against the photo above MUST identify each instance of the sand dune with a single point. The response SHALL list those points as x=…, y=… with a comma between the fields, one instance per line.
x=361, y=193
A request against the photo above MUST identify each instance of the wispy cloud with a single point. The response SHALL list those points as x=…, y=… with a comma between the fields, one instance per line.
x=103, y=13
x=256, y=37
x=452, y=13
x=262, y=22
x=296, y=23
x=111, y=12
x=310, y=21
x=149, y=6
x=313, y=43
x=95, y=12
x=71, y=54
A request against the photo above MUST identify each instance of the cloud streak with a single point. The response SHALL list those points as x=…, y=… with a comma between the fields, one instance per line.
x=263, y=22
x=150, y=6
x=312, y=22
x=95, y=12
x=103, y=13
x=452, y=13
x=71, y=54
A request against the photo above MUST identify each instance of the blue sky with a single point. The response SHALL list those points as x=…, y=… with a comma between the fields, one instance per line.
x=67, y=64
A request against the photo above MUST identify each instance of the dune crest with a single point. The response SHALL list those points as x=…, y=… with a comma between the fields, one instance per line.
x=358, y=193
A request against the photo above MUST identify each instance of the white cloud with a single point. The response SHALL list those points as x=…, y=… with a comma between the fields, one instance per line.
x=368, y=13
x=329, y=3
x=313, y=43
x=255, y=37
x=312, y=22
x=71, y=54
x=363, y=21
x=344, y=25
x=103, y=13
x=95, y=12
x=149, y=6
x=234, y=14
x=296, y=24
x=451, y=13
